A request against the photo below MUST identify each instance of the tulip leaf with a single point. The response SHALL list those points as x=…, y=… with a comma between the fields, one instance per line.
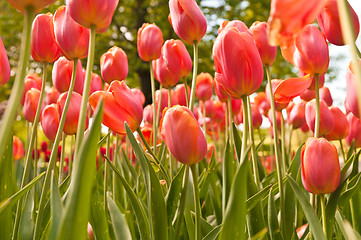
x=26, y=224
x=74, y=220
x=57, y=208
x=252, y=201
x=120, y=226
x=347, y=231
x=228, y=173
x=355, y=184
x=174, y=193
x=213, y=234
x=98, y=218
x=272, y=216
x=308, y=210
x=237, y=140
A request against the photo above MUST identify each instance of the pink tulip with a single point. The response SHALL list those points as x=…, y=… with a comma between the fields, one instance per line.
x=220, y=91
x=262, y=102
x=351, y=91
x=179, y=96
x=139, y=95
x=31, y=81
x=354, y=131
x=149, y=42
x=52, y=96
x=62, y=73
x=308, y=95
x=325, y=95
x=326, y=118
x=204, y=86
x=50, y=121
x=18, y=148
x=96, y=83
x=177, y=58
x=4, y=65
x=341, y=126
x=148, y=114
x=235, y=23
x=114, y=65
x=296, y=116
x=163, y=74
x=30, y=104
x=37, y=5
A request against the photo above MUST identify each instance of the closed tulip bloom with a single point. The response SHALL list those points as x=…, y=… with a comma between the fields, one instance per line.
x=325, y=95
x=308, y=95
x=354, y=131
x=31, y=81
x=163, y=99
x=262, y=102
x=234, y=23
x=219, y=111
x=114, y=65
x=72, y=116
x=278, y=119
x=351, y=91
x=30, y=104
x=120, y=105
x=329, y=22
x=326, y=118
x=309, y=51
x=52, y=96
x=4, y=65
x=18, y=148
x=321, y=172
x=72, y=38
x=163, y=74
x=96, y=83
x=93, y=13
x=179, y=96
x=183, y=136
x=148, y=114
x=37, y=5
x=236, y=106
x=210, y=108
x=204, y=86
x=237, y=61
x=220, y=91
x=50, y=121
x=62, y=73
x=139, y=95
x=256, y=116
x=177, y=57
x=296, y=116
x=341, y=126
x=149, y=42
x=288, y=18
x=259, y=32
x=43, y=45
x=187, y=20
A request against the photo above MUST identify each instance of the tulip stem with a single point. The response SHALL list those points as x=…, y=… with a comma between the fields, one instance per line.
x=226, y=123
x=14, y=100
x=61, y=166
x=106, y=170
x=276, y=147
x=194, y=79
x=197, y=205
x=245, y=127
x=154, y=107
x=171, y=163
x=182, y=204
x=342, y=151
x=53, y=156
x=317, y=120
x=186, y=90
x=204, y=119
x=283, y=144
x=230, y=123
x=323, y=210
x=85, y=96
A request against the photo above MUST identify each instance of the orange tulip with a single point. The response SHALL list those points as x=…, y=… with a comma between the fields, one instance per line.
x=187, y=20
x=326, y=118
x=31, y=81
x=183, y=136
x=114, y=65
x=341, y=126
x=354, y=131
x=31, y=104
x=204, y=86
x=149, y=42
x=37, y=5
x=52, y=96
x=321, y=172
x=90, y=13
x=50, y=121
x=321, y=80
x=18, y=148
x=4, y=65
x=280, y=103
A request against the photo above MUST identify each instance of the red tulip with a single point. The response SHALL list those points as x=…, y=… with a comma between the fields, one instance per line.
x=326, y=118
x=354, y=131
x=220, y=91
x=90, y=13
x=163, y=74
x=31, y=81
x=204, y=86
x=183, y=136
x=351, y=91
x=52, y=96
x=279, y=117
x=340, y=129
x=262, y=102
x=114, y=65
x=187, y=20
x=220, y=111
x=288, y=18
x=259, y=32
x=329, y=22
x=149, y=42
x=18, y=148
x=177, y=57
x=256, y=116
x=278, y=104
x=163, y=99
x=296, y=116
x=37, y=5
x=321, y=80
x=96, y=83
x=179, y=96
x=31, y=104
x=50, y=121
x=72, y=38
x=236, y=106
x=320, y=166
x=62, y=73
x=308, y=95
x=120, y=105
x=325, y=95
x=4, y=65
x=72, y=116
x=235, y=23
x=210, y=108
x=139, y=95
x=43, y=45
x=148, y=114
x=237, y=61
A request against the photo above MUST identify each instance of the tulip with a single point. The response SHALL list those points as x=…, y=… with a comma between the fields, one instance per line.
x=183, y=136
x=43, y=45
x=308, y=95
x=341, y=126
x=354, y=131
x=321, y=80
x=309, y=51
x=30, y=104
x=220, y=91
x=204, y=86
x=329, y=22
x=37, y=5
x=288, y=18
x=256, y=117
x=139, y=95
x=262, y=102
x=296, y=116
x=236, y=106
x=163, y=99
x=120, y=105
x=149, y=42
x=72, y=116
x=52, y=96
x=96, y=83
x=210, y=108
x=4, y=65
x=72, y=38
x=50, y=121
x=62, y=73
x=235, y=23
x=163, y=74
x=177, y=57
x=89, y=13
x=278, y=104
x=325, y=95
x=187, y=20
x=326, y=118
x=30, y=81
x=267, y=52
x=148, y=114
x=179, y=96
x=114, y=65
x=219, y=112
x=320, y=166
x=18, y=148
x=351, y=91
x=237, y=61
x=279, y=117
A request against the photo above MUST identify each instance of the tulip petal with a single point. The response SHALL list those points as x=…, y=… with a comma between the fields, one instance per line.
x=291, y=88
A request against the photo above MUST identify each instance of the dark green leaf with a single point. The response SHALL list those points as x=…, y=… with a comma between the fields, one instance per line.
x=120, y=226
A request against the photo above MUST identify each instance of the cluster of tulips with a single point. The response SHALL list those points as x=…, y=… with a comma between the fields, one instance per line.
x=133, y=181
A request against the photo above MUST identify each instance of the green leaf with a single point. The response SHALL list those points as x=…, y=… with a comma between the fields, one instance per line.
x=120, y=226
x=347, y=195
x=347, y=231
x=237, y=140
x=26, y=226
x=308, y=210
x=98, y=218
x=57, y=208
x=212, y=235
x=252, y=201
x=272, y=216
x=228, y=173
x=174, y=193
x=74, y=221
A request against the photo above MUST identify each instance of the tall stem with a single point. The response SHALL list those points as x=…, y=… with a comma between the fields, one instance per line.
x=204, y=119
x=226, y=123
x=317, y=120
x=245, y=127
x=342, y=151
x=186, y=90
x=182, y=204
x=106, y=170
x=85, y=96
x=194, y=79
x=171, y=164
x=61, y=166
x=230, y=123
x=323, y=210
x=197, y=204
x=154, y=107
x=283, y=144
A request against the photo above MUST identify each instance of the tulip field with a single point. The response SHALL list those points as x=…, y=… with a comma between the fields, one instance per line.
x=229, y=154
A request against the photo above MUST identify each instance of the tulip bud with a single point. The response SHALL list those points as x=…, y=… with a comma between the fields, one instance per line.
x=148, y=114
x=52, y=96
x=236, y=106
x=114, y=65
x=179, y=96
x=326, y=118
x=296, y=116
x=72, y=38
x=210, y=108
x=62, y=73
x=90, y=13
x=308, y=95
x=237, y=61
x=163, y=100
x=96, y=83
x=352, y=94
x=354, y=131
x=219, y=112
x=4, y=65
x=234, y=23
x=177, y=58
x=320, y=166
x=187, y=20
x=31, y=104
x=163, y=74
x=204, y=86
x=18, y=148
x=31, y=81
x=341, y=126
x=220, y=91
x=256, y=116
x=325, y=95
x=50, y=121
x=149, y=42
x=183, y=136
x=37, y=5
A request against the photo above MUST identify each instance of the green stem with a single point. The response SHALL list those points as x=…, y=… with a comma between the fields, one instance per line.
x=106, y=171
x=342, y=151
x=85, y=96
x=197, y=205
x=230, y=123
x=323, y=209
x=171, y=163
x=61, y=166
x=204, y=119
x=152, y=82
x=290, y=143
x=283, y=144
x=116, y=152
x=14, y=100
x=317, y=119
x=245, y=127
x=276, y=148
x=186, y=90
x=226, y=123
x=194, y=79
x=53, y=156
